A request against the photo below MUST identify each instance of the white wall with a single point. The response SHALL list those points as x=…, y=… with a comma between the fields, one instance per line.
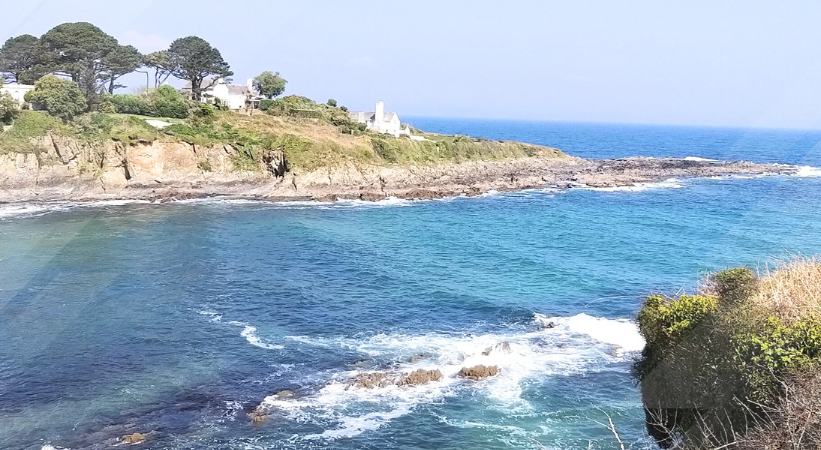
x=17, y=91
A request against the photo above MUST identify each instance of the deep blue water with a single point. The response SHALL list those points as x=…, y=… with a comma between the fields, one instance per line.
x=176, y=319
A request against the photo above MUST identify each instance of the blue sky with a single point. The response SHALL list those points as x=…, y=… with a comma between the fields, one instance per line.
x=732, y=63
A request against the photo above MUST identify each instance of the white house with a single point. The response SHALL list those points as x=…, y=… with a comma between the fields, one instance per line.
x=233, y=96
x=380, y=121
x=17, y=91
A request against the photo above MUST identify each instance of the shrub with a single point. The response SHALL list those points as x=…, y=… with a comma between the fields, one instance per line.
x=168, y=102
x=204, y=111
x=130, y=104
x=387, y=150
x=331, y=103
x=9, y=109
x=265, y=104
x=663, y=321
x=60, y=98
x=774, y=350
x=712, y=368
x=164, y=101
x=734, y=285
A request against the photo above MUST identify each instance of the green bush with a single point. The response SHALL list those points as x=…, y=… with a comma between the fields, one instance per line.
x=9, y=109
x=386, y=149
x=164, y=101
x=664, y=321
x=331, y=103
x=265, y=104
x=168, y=102
x=774, y=349
x=204, y=111
x=734, y=285
x=60, y=98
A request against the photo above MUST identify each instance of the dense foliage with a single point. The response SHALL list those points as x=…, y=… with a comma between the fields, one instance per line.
x=718, y=361
x=18, y=58
x=164, y=101
x=60, y=98
x=195, y=60
x=270, y=84
x=8, y=109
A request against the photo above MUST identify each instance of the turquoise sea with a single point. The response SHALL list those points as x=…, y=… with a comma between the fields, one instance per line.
x=175, y=320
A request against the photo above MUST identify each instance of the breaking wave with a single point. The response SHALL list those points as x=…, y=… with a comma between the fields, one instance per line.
x=808, y=172
x=546, y=346
x=670, y=183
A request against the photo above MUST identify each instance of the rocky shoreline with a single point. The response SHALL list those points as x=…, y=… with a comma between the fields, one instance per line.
x=369, y=183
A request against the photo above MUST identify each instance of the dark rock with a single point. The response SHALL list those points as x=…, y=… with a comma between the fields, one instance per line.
x=478, y=372
x=418, y=377
x=133, y=439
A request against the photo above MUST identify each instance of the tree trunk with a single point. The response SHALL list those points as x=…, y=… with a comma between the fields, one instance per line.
x=111, y=85
x=196, y=89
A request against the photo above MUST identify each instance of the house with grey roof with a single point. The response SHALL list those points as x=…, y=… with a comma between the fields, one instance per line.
x=380, y=121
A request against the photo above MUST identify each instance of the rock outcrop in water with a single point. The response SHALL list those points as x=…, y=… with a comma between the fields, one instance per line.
x=420, y=376
x=372, y=380
x=478, y=372
x=133, y=438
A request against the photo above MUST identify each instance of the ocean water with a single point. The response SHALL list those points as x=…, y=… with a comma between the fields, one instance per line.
x=175, y=320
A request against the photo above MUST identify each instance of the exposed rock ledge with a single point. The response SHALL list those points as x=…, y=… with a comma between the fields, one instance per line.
x=160, y=171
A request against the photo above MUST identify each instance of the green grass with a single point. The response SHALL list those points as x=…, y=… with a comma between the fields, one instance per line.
x=308, y=143
x=29, y=126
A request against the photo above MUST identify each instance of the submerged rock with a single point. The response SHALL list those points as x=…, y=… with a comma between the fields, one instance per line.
x=503, y=346
x=258, y=415
x=478, y=372
x=418, y=377
x=283, y=394
x=418, y=357
x=133, y=438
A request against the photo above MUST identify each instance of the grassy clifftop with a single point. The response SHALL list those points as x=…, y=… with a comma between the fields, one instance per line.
x=737, y=364
x=307, y=142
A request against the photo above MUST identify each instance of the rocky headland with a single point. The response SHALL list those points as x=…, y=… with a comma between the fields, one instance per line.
x=157, y=171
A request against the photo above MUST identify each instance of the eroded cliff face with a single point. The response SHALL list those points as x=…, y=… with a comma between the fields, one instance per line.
x=69, y=168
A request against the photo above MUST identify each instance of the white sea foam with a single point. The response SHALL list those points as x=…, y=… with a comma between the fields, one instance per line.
x=623, y=334
x=548, y=346
x=808, y=172
x=700, y=159
x=670, y=183
x=24, y=209
x=249, y=332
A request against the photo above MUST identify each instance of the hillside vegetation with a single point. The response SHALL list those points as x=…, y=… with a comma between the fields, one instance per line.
x=308, y=143
x=737, y=364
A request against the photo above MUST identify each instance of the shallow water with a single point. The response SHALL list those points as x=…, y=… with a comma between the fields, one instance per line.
x=176, y=319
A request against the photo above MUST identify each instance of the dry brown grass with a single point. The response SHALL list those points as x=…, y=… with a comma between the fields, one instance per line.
x=793, y=424
x=792, y=291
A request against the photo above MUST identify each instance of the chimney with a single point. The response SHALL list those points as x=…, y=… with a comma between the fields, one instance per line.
x=379, y=113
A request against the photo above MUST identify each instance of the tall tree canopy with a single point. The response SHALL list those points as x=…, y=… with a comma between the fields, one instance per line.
x=78, y=50
x=270, y=84
x=18, y=58
x=161, y=63
x=193, y=59
x=122, y=60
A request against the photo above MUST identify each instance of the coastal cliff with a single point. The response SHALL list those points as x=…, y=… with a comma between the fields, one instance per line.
x=109, y=157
